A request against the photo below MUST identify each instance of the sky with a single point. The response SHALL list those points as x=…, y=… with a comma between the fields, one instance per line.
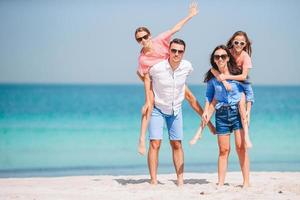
x=92, y=42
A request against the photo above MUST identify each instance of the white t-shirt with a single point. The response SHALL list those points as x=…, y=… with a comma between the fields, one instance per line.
x=169, y=85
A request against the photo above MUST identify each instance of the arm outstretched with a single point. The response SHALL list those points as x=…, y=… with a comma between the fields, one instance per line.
x=193, y=10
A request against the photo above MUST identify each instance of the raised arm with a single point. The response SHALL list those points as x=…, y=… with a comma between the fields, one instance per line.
x=193, y=10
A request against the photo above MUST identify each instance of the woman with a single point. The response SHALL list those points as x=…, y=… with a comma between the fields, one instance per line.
x=240, y=48
x=153, y=51
x=227, y=112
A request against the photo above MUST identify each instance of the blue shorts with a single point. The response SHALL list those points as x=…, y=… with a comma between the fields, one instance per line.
x=174, y=125
x=227, y=120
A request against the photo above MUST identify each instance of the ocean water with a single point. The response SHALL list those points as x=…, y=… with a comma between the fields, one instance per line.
x=60, y=130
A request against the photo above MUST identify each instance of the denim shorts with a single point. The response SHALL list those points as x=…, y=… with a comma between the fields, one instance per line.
x=174, y=125
x=227, y=120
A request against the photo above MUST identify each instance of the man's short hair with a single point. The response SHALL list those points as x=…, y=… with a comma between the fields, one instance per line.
x=178, y=41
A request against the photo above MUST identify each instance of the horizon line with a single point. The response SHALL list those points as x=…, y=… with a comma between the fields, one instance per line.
x=118, y=84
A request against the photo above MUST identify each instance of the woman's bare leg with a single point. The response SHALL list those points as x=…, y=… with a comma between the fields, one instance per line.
x=243, y=155
x=224, y=149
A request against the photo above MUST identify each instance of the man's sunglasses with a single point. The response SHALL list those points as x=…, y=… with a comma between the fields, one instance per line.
x=176, y=50
x=145, y=37
x=223, y=56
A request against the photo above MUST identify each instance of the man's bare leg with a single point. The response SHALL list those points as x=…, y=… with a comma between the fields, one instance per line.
x=153, y=160
x=178, y=160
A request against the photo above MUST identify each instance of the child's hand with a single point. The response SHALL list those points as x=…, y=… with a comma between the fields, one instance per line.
x=193, y=9
x=222, y=77
x=218, y=77
x=227, y=85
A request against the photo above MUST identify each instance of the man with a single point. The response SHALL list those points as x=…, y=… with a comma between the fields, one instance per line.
x=168, y=82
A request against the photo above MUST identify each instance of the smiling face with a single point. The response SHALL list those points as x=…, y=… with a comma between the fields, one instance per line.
x=176, y=52
x=221, y=58
x=143, y=38
x=238, y=43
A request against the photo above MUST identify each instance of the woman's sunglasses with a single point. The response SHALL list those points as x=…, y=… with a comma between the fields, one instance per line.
x=145, y=37
x=239, y=43
x=223, y=56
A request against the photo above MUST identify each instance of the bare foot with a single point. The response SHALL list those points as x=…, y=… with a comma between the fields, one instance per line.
x=153, y=182
x=195, y=139
x=248, y=143
x=180, y=182
x=197, y=136
x=220, y=185
x=142, y=147
x=246, y=185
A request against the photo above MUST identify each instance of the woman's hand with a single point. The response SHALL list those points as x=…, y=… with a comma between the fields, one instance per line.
x=205, y=118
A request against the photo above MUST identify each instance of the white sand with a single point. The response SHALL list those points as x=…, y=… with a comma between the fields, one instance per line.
x=264, y=185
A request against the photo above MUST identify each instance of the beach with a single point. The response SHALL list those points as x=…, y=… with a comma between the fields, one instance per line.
x=80, y=142
x=264, y=185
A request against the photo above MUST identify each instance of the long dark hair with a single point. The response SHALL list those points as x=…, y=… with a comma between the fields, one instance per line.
x=246, y=48
x=231, y=64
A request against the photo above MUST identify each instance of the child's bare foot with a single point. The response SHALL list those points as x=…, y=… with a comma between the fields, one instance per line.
x=142, y=147
x=248, y=143
x=197, y=136
x=195, y=139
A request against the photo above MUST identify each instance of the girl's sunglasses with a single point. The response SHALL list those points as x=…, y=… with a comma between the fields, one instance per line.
x=145, y=37
x=223, y=56
x=239, y=43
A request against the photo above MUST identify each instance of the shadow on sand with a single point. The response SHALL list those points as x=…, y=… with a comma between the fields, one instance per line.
x=132, y=181
x=193, y=181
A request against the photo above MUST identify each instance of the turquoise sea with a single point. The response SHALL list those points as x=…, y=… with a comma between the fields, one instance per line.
x=61, y=130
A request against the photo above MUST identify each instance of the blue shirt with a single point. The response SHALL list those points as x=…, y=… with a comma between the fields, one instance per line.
x=216, y=89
